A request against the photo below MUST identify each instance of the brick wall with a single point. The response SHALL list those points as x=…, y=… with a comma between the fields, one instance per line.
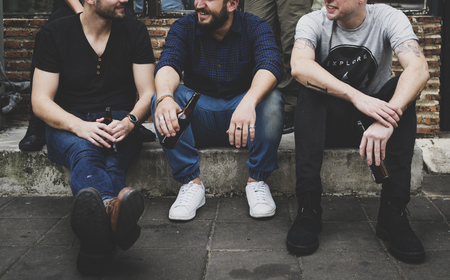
x=19, y=42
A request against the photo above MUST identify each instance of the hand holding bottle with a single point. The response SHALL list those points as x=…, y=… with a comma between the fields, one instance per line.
x=373, y=149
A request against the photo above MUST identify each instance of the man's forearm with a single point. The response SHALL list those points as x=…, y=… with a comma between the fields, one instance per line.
x=166, y=81
x=263, y=82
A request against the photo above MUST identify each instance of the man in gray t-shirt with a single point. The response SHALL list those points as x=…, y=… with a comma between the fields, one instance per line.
x=342, y=57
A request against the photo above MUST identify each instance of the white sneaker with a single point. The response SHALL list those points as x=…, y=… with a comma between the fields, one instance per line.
x=190, y=197
x=260, y=200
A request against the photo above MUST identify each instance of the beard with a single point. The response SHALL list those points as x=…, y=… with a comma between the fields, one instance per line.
x=217, y=20
x=108, y=12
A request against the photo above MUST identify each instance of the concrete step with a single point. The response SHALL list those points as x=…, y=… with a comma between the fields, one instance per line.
x=223, y=171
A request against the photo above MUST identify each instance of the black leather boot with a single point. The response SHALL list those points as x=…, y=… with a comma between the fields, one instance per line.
x=393, y=227
x=302, y=237
x=34, y=139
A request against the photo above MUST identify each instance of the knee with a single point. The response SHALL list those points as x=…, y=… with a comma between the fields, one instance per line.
x=273, y=103
x=270, y=112
x=86, y=153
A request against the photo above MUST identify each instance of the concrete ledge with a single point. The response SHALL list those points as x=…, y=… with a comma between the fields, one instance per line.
x=223, y=171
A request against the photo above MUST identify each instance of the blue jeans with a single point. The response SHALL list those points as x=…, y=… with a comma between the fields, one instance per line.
x=88, y=166
x=210, y=121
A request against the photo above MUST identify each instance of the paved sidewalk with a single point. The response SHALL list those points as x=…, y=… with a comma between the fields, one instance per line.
x=224, y=242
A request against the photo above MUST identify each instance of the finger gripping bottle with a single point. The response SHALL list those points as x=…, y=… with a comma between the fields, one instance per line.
x=378, y=172
x=184, y=118
x=107, y=119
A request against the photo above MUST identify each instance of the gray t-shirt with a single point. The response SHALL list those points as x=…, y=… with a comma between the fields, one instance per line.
x=361, y=57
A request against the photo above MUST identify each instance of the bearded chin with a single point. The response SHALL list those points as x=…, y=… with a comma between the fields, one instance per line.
x=216, y=22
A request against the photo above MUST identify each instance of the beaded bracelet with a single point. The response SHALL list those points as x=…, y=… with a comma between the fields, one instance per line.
x=162, y=98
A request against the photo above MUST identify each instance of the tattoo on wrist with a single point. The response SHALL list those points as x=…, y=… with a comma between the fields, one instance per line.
x=317, y=87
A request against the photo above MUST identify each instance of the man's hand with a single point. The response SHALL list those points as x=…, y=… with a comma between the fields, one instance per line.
x=97, y=133
x=119, y=129
x=166, y=117
x=373, y=142
x=383, y=112
x=242, y=125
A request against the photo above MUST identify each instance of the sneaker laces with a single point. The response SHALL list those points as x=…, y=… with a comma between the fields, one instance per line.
x=258, y=191
x=186, y=194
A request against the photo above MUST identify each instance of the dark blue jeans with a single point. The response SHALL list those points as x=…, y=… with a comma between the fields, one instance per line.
x=210, y=121
x=325, y=121
x=88, y=165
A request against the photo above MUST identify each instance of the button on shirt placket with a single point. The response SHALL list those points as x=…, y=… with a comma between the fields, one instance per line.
x=98, y=65
x=219, y=68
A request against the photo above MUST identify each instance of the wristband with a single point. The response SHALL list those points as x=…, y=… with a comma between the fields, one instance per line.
x=162, y=98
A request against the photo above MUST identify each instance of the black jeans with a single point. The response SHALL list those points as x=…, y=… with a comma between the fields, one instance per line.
x=323, y=121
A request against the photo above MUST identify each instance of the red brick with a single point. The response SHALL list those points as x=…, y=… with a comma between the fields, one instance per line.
x=434, y=63
x=19, y=66
x=171, y=21
x=436, y=74
x=34, y=32
x=18, y=76
x=416, y=29
x=162, y=43
x=432, y=85
x=28, y=44
x=157, y=33
x=424, y=131
x=155, y=44
x=37, y=22
x=425, y=108
x=431, y=120
x=12, y=44
x=432, y=51
x=157, y=54
x=419, y=119
x=428, y=19
x=153, y=22
x=431, y=97
x=432, y=29
x=17, y=33
x=15, y=22
x=430, y=40
x=17, y=54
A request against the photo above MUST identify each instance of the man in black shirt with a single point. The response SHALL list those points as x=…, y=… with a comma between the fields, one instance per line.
x=34, y=138
x=84, y=63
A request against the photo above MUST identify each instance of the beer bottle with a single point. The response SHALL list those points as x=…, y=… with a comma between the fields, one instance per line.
x=107, y=119
x=378, y=172
x=184, y=118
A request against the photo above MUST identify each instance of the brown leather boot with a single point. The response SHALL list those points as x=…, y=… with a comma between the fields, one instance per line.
x=124, y=211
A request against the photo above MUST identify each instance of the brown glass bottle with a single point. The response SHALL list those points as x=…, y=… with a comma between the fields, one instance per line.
x=107, y=119
x=378, y=172
x=184, y=118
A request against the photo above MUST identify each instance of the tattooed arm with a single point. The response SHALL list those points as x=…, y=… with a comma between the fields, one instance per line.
x=312, y=75
x=415, y=73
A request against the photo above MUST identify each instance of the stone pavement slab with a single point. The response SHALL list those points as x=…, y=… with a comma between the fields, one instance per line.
x=224, y=242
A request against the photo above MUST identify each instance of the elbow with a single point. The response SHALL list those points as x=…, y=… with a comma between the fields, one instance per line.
x=295, y=73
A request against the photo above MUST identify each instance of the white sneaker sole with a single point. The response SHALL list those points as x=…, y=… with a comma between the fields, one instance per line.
x=262, y=215
x=188, y=217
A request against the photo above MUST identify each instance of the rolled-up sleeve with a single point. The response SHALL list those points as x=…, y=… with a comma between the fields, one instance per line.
x=267, y=54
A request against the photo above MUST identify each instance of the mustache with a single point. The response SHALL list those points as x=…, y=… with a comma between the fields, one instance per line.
x=206, y=11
